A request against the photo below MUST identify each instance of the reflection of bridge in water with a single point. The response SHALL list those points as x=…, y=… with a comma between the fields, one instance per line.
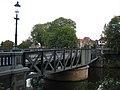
x=43, y=62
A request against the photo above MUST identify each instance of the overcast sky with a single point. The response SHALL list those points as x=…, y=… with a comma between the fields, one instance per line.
x=89, y=15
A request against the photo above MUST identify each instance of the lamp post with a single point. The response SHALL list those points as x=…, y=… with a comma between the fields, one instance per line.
x=17, y=6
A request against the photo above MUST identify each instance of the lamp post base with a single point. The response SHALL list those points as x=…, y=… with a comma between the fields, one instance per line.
x=16, y=49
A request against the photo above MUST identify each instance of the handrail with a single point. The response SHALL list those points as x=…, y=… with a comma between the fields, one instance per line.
x=10, y=58
x=57, y=60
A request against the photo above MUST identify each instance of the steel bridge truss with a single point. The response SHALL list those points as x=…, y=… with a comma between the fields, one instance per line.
x=57, y=60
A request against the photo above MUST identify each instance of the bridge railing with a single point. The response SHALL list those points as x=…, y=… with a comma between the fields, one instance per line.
x=57, y=60
x=11, y=58
x=46, y=61
x=5, y=59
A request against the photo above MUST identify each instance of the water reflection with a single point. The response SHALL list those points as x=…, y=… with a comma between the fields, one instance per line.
x=99, y=79
x=106, y=79
x=54, y=85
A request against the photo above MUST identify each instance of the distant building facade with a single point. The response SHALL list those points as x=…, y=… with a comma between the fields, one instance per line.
x=87, y=42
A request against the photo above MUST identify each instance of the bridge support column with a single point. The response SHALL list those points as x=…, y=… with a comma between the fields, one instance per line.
x=85, y=56
x=97, y=63
x=70, y=75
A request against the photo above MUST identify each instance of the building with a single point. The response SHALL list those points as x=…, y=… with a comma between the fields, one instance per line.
x=86, y=42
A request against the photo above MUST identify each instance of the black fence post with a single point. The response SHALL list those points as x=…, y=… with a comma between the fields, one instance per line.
x=71, y=58
x=23, y=60
x=42, y=66
x=64, y=58
x=54, y=60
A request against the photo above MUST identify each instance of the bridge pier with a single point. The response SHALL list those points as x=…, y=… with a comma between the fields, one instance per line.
x=70, y=75
x=97, y=63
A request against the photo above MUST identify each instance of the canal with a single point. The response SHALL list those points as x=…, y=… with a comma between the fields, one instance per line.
x=99, y=79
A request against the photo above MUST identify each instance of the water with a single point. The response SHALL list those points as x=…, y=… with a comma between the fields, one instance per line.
x=109, y=79
x=99, y=79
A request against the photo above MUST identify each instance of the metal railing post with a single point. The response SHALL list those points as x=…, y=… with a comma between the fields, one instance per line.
x=42, y=66
x=71, y=58
x=13, y=60
x=54, y=58
x=64, y=59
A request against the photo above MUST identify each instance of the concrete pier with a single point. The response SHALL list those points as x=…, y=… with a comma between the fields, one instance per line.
x=98, y=63
x=70, y=75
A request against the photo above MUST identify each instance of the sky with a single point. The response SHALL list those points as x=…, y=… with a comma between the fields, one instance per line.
x=89, y=15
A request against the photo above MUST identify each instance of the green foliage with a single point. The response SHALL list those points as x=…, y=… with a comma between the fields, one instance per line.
x=58, y=33
x=111, y=61
x=111, y=84
x=112, y=33
x=25, y=44
x=38, y=32
x=7, y=44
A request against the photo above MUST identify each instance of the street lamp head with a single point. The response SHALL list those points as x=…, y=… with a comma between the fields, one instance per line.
x=17, y=7
x=17, y=4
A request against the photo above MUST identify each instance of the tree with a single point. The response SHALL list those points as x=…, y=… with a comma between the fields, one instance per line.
x=38, y=32
x=65, y=37
x=7, y=44
x=62, y=33
x=58, y=33
x=25, y=44
x=112, y=33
